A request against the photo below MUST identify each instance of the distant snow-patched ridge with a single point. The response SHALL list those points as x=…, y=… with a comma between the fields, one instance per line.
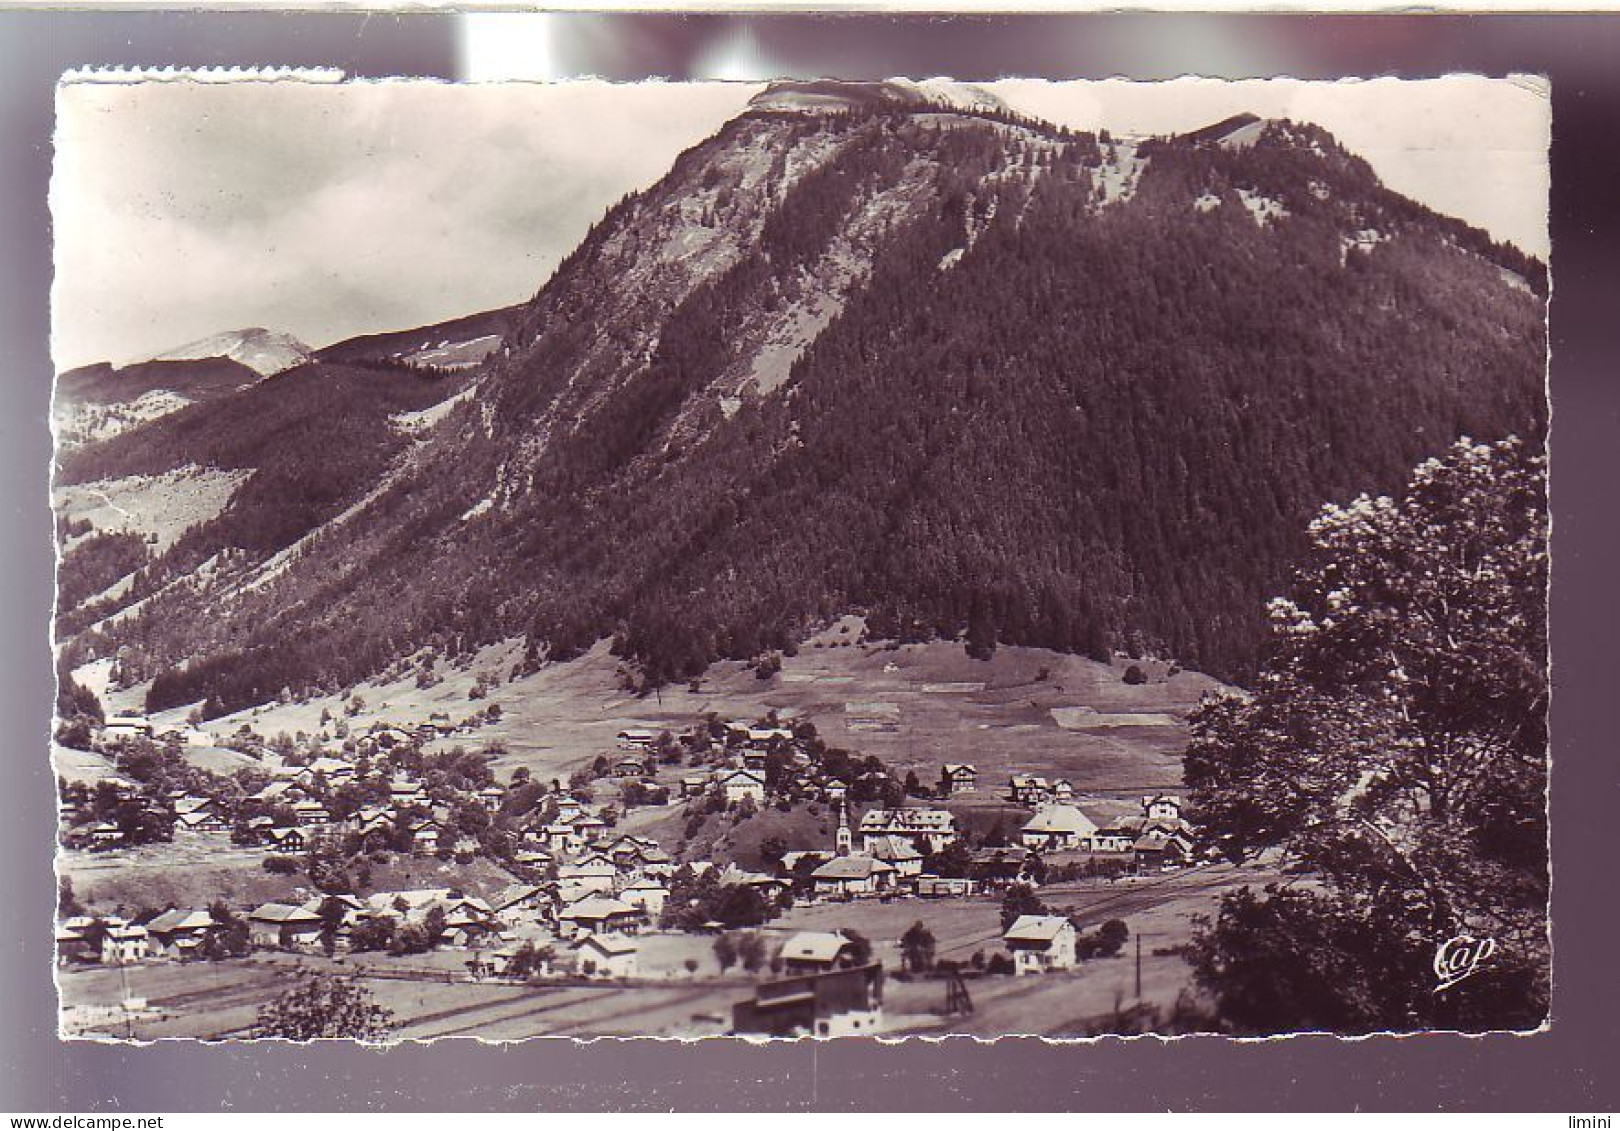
x=263, y=351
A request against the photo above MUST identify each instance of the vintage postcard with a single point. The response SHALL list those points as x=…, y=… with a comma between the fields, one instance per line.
x=800, y=559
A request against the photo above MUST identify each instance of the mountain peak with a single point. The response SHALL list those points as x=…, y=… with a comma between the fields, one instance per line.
x=1238, y=131
x=720, y=421
x=829, y=95
x=266, y=352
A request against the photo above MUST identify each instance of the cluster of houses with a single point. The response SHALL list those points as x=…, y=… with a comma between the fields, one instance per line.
x=600, y=889
x=177, y=812
x=742, y=780
x=1158, y=836
x=888, y=859
x=409, y=818
x=304, y=817
x=291, y=813
x=114, y=939
x=593, y=909
x=118, y=728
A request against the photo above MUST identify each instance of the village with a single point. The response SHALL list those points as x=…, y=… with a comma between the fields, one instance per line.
x=868, y=875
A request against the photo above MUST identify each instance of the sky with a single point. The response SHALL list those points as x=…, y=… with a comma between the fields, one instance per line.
x=326, y=210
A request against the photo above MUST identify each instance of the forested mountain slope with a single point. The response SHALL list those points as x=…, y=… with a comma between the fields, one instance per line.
x=303, y=446
x=959, y=371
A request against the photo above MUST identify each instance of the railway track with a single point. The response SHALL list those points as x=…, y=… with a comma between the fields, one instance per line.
x=1139, y=897
x=493, y=1012
x=245, y=990
x=593, y=1026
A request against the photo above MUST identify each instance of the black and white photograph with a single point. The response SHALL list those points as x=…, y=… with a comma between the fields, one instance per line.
x=799, y=559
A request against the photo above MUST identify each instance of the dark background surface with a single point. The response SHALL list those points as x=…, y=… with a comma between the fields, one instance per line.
x=1569, y=1068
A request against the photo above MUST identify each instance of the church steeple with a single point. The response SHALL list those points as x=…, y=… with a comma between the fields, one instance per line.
x=844, y=842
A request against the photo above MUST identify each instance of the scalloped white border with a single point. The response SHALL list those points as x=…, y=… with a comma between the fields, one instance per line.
x=1539, y=84
x=120, y=74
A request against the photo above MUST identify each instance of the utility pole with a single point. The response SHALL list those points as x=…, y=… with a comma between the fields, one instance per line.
x=1138, y=966
x=123, y=1004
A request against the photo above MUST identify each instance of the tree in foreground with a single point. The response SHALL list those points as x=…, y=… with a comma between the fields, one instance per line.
x=1395, y=750
x=325, y=1006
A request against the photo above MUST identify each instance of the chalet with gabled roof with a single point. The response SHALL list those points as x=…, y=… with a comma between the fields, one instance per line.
x=1159, y=849
x=180, y=934
x=816, y=952
x=125, y=942
x=648, y=895
x=311, y=814
x=853, y=877
x=589, y=827
x=899, y=853
x=526, y=898
x=599, y=915
x=562, y=838
x=928, y=830
x=1029, y=789
x=126, y=726
x=1057, y=828
x=1162, y=807
x=333, y=771
x=288, y=840
x=741, y=783
x=428, y=836
x=957, y=777
x=105, y=834
x=284, y=926
x=769, y=887
x=593, y=873
x=1113, y=839
x=605, y=956
x=1040, y=943
x=202, y=819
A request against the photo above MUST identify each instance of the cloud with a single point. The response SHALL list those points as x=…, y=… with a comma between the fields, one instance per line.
x=183, y=209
